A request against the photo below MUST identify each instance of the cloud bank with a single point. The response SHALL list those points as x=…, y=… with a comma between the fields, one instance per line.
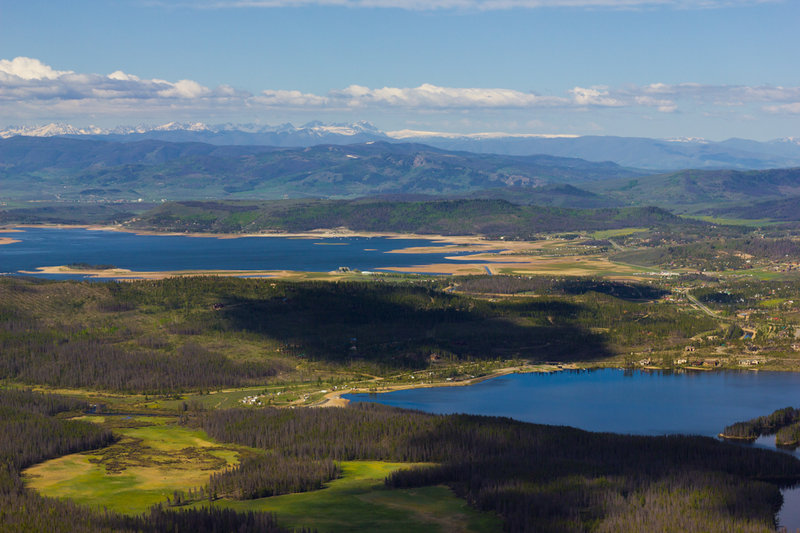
x=33, y=90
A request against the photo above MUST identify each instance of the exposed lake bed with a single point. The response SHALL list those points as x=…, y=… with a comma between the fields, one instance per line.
x=46, y=251
x=49, y=252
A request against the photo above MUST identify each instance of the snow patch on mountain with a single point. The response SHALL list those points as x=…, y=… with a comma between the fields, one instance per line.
x=417, y=134
x=317, y=129
x=50, y=130
x=696, y=140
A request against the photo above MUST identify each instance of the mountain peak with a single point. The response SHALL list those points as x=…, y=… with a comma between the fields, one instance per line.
x=182, y=126
x=50, y=130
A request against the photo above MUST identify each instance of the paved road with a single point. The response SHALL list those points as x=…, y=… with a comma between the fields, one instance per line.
x=702, y=307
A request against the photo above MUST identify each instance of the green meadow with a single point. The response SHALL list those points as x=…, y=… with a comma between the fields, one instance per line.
x=359, y=501
x=152, y=459
x=155, y=457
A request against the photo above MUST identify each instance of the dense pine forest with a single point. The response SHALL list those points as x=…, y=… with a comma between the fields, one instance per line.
x=538, y=478
x=492, y=218
x=30, y=432
x=716, y=254
x=187, y=336
x=783, y=423
x=190, y=333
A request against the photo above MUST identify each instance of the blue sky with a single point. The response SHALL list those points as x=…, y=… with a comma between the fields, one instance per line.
x=656, y=68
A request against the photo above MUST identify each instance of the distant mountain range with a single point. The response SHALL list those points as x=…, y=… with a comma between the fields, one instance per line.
x=86, y=170
x=713, y=191
x=82, y=169
x=652, y=154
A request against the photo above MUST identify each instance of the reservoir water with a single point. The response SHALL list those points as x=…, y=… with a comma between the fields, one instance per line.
x=643, y=403
x=51, y=246
x=603, y=400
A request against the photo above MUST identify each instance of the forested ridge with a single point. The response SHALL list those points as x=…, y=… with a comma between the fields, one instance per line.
x=30, y=433
x=187, y=333
x=538, y=478
x=167, y=337
x=493, y=218
x=81, y=169
x=783, y=423
x=715, y=254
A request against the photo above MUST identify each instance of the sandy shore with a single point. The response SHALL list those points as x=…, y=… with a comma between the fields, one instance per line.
x=523, y=265
x=487, y=256
x=334, y=398
x=520, y=265
x=8, y=240
x=123, y=274
x=312, y=234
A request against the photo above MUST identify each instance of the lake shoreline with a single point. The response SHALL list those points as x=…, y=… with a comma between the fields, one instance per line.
x=334, y=398
x=322, y=233
x=468, y=255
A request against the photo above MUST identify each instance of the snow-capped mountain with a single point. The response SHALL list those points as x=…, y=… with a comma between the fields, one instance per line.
x=284, y=135
x=50, y=130
x=653, y=154
x=315, y=128
x=182, y=126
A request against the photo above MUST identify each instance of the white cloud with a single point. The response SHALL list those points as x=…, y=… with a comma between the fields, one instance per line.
x=435, y=97
x=426, y=96
x=27, y=68
x=184, y=89
x=27, y=80
x=121, y=76
x=594, y=96
x=32, y=89
x=290, y=99
x=663, y=105
x=793, y=108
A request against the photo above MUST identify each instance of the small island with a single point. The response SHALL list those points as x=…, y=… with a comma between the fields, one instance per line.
x=87, y=266
x=783, y=423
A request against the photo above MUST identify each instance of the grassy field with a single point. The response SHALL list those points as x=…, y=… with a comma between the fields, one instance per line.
x=156, y=457
x=358, y=501
x=732, y=221
x=572, y=266
x=153, y=458
x=607, y=234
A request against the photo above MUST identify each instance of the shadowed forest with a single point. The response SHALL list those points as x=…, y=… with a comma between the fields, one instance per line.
x=194, y=335
x=200, y=333
x=536, y=477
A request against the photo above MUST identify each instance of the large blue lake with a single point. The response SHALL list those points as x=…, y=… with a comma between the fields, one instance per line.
x=49, y=246
x=643, y=403
x=603, y=400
